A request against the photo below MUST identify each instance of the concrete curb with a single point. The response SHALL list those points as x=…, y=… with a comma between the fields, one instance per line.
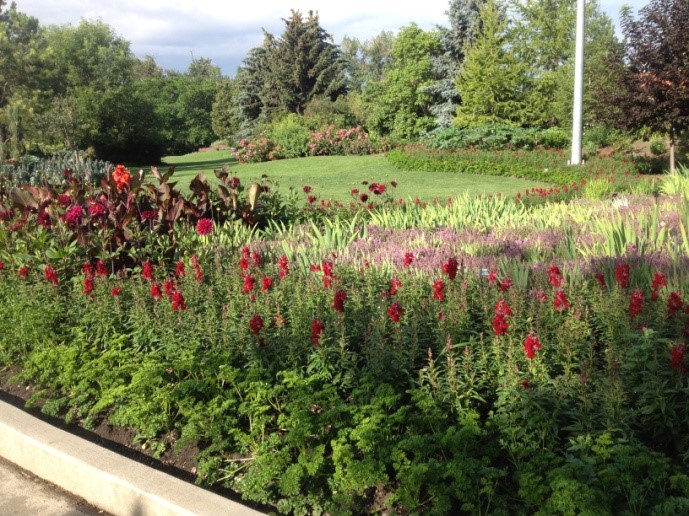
x=103, y=478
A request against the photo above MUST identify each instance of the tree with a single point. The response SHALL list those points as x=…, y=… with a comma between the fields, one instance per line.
x=655, y=82
x=21, y=55
x=400, y=104
x=366, y=61
x=465, y=22
x=493, y=83
x=225, y=116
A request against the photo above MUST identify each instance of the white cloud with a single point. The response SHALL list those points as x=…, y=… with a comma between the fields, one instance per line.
x=173, y=30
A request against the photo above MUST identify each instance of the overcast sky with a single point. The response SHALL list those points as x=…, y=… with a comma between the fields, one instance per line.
x=172, y=31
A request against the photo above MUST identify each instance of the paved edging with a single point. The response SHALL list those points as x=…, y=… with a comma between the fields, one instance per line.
x=105, y=479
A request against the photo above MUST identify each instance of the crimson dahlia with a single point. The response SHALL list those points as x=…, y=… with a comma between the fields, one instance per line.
x=204, y=227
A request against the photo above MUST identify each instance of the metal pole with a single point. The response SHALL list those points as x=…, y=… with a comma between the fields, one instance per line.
x=578, y=86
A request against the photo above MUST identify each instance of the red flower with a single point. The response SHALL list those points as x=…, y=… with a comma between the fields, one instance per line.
x=23, y=271
x=2, y=266
x=541, y=296
x=64, y=200
x=493, y=277
x=677, y=357
x=101, y=269
x=179, y=269
x=198, y=273
x=88, y=285
x=204, y=227
x=355, y=191
x=531, y=345
x=156, y=292
x=338, y=301
x=601, y=280
x=502, y=308
x=88, y=269
x=283, y=266
x=50, y=275
x=408, y=259
x=73, y=216
x=395, y=285
x=560, y=302
x=43, y=219
x=674, y=303
x=96, y=209
x=311, y=199
x=505, y=284
x=249, y=282
x=121, y=177
x=439, y=290
x=555, y=277
x=450, y=268
x=266, y=283
x=178, y=302
x=116, y=291
x=256, y=259
x=256, y=324
x=234, y=183
x=316, y=331
x=622, y=275
x=636, y=303
x=659, y=280
x=363, y=197
x=307, y=189
x=149, y=215
x=500, y=324
x=395, y=312
x=169, y=286
x=327, y=269
x=526, y=384
x=147, y=271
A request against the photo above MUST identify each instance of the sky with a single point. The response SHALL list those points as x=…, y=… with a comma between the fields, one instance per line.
x=175, y=31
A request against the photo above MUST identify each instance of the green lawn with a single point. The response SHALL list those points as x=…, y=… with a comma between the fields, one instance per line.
x=333, y=177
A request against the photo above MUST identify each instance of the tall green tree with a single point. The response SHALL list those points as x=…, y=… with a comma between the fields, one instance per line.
x=225, y=115
x=22, y=53
x=465, y=22
x=494, y=83
x=400, y=104
x=366, y=61
x=655, y=84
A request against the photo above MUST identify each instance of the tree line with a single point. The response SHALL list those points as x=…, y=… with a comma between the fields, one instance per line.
x=495, y=62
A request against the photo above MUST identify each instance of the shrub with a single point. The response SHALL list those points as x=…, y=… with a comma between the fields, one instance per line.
x=492, y=137
x=291, y=136
x=257, y=150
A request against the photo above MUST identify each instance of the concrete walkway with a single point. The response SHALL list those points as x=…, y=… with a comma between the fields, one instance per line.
x=109, y=481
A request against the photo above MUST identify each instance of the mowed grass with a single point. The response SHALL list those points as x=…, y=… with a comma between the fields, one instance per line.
x=333, y=177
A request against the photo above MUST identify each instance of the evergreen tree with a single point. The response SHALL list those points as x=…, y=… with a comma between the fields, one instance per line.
x=493, y=83
x=305, y=63
x=225, y=115
x=465, y=22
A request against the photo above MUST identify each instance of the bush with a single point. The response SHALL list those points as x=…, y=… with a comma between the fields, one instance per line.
x=492, y=137
x=257, y=150
x=291, y=135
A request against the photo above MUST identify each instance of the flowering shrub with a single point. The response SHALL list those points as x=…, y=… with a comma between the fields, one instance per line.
x=344, y=142
x=257, y=150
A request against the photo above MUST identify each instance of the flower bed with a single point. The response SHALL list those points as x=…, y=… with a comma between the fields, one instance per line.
x=532, y=361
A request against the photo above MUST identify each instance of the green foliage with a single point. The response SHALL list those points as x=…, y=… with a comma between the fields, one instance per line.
x=491, y=137
x=291, y=135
